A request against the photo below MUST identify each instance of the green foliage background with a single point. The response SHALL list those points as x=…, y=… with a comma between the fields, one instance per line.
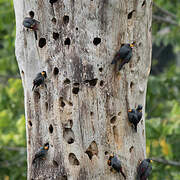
x=162, y=106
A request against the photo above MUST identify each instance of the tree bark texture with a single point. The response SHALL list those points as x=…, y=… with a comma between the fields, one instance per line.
x=81, y=110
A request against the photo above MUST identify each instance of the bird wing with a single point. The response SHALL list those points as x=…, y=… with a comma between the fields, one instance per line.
x=38, y=80
x=148, y=171
x=124, y=51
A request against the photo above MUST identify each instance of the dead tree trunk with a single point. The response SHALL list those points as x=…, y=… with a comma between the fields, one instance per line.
x=82, y=108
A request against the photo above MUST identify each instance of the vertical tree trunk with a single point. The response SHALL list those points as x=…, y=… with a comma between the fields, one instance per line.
x=82, y=108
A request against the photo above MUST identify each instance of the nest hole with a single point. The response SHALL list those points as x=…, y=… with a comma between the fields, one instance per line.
x=131, y=85
x=56, y=71
x=131, y=14
x=144, y=3
x=113, y=119
x=30, y=123
x=52, y=1
x=42, y=42
x=100, y=69
x=106, y=153
x=62, y=104
x=51, y=128
x=131, y=148
x=64, y=177
x=67, y=81
x=46, y=105
x=92, y=150
x=54, y=20
x=66, y=19
x=119, y=113
x=67, y=41
x=96, y=41
x=55, y=163
x=91, y=113
x=75, y=90
x=77, y=29
x=55, y=35
x=31, y=14
x=101, y=83
x=73, y=159
x=70, y=103
x=91, y=82
x=76, y=84
x=68, y=135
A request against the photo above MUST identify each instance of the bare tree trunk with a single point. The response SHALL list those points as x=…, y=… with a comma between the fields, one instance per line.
x=82, y=108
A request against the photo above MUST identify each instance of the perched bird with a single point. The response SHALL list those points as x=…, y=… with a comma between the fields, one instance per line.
x=144, y=169
x=135, y=115
x=115, y=163
x=41, y=153
x=39, y=79
x=32, y=24
x=124, y=54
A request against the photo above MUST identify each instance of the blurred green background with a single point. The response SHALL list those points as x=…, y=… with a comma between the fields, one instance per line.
x=162, y=106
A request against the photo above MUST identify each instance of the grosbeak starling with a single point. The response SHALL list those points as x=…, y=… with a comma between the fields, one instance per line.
x=41, y=153
x=32, y=24
x=39, y=79
x=124, y=54
x=135, y=115
x=115, y=163
x=144, y=169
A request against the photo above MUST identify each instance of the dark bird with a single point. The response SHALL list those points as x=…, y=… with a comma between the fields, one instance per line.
x=40, y=78
x=144, y=169
x=135, y=115
x=32, y=24
x=115, y=163
x=124, y=54
x=41, y=153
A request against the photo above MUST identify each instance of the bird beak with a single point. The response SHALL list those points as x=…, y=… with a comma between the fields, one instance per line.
x=43, y=73
x=131, y=45
x=130, y=110
x=140, y=110
x=46, y=148
x=151, y=161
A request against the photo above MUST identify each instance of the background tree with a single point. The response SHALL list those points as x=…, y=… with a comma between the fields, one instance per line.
x=82, y=108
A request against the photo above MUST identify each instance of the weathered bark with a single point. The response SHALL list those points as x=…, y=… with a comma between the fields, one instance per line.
x=82, y=108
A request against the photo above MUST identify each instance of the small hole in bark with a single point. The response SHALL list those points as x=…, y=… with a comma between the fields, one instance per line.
x=64, y=177
x=130, y=14
x=55, y=163
x=119, y=113
x=113, y=120
x=46, y=105
x=31, y=14
x=73, y=160
x=76, y=28
x=70, y=103
x=131, y=148
x=42, y=42
x=93, y=82
x=96, y=41
x=92, y=150
x=67, y=41
x=75, y=84
x=100, y=69
x=75, y=90
x=54, y=20
x=51, y=128
x=22, y=72
x=144, y=3
x=66, y=19
x=55, y=35
x=52, y=1
x=143, y=132
x=62, y=104
x=68, y=135
x=67, y=81
x=101, y=83
x=30, y=123
x=131, y=85
x=106, y=153
x=91, y=113
x=56, y=71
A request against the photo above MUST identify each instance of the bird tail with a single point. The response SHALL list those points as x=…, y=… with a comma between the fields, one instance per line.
x=123, y=174
x=35, y=34
x=33, y=87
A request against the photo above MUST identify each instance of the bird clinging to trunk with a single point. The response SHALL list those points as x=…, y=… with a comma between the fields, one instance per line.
x=124, y=55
